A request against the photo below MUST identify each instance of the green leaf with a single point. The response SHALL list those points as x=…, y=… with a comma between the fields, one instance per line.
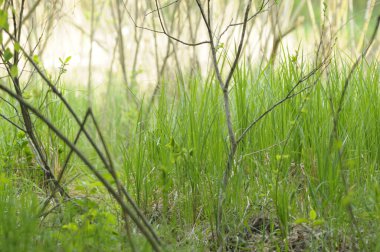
x=20, y=134
x=7, y=55
x=71, y=227
x=318, y=222
x=279, y=157
x=67, y=59
x=109, y=179
x=64, y=62
x=17, y=47
x=220, y=46
x=36, y=59
x=312, y=215
x=4, y=20
x=14, y=71
x=301, y=220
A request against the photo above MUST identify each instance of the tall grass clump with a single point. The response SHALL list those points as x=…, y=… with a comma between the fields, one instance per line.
x=281, y=172
x=281, y=176
x=251, y=151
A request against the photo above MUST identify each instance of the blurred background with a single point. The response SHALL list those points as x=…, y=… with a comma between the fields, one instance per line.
x=112, y=40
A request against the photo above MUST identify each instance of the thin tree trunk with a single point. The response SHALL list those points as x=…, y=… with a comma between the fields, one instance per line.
x=89, y=80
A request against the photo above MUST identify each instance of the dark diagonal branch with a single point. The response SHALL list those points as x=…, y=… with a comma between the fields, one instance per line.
x=10, y=65
x=105, y=158
x=289, y=96
x=13, y=123
x=144, y=230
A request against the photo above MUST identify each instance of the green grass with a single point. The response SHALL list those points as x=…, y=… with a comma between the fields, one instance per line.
x=284, y=173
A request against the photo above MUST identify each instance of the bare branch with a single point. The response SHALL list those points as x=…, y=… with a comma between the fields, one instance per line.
x=64, y=101
x=259, y=11
x=237, y=57
x=163, y=7
x=226, y=100
x=11, y=122
x=163, y=30
x=212, y=45
x=92, y=168
x=34, y=142
x=289, y=95
x=10, y=104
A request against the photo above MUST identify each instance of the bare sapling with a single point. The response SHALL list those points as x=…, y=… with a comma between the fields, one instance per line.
x=13, y=67
x=226, y=82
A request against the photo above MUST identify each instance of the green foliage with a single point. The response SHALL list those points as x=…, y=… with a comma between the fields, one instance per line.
x=4, y=20
x=172, y=165
x=17, y=47
x=36, y=59
x=7, y=55
x=65, y=61
x=14, y=71
x=22, y=230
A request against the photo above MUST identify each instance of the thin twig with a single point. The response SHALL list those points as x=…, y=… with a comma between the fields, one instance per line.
x=163, y=7
x=164, y=31
x=259, y=11
x=11, y=122
x=334, y=132
x=289, y=95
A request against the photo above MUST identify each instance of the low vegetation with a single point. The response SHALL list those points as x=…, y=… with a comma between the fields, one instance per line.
x=277, y=156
